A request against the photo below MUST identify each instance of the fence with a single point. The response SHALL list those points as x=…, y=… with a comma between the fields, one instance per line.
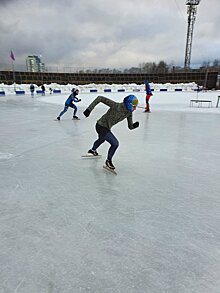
x=206, y=79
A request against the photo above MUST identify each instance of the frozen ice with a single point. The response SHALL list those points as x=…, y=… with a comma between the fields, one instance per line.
x=67, y=225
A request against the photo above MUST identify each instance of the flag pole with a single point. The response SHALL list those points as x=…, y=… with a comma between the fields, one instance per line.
x=13, y=70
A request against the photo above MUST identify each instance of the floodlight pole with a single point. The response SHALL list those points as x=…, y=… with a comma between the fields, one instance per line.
x=191, y=11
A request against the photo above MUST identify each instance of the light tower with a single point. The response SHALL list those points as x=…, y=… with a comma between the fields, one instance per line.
x=191, y=11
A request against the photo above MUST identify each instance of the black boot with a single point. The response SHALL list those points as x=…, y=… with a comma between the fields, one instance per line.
x=94, y=153
x=109, y=164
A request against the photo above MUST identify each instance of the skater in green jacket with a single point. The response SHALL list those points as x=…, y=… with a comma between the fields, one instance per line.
x=116, y=113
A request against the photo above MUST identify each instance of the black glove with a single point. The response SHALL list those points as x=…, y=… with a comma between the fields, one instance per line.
x=79, y=100
x=87, y=112
x=136, y=124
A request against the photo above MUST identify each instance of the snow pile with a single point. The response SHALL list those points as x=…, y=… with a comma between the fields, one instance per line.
x=100, y=88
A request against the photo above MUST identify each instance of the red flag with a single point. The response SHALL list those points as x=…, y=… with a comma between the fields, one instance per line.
x=12, y=56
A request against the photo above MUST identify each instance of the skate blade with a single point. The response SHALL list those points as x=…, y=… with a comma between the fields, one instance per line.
x=90, y=156
x=110, y=170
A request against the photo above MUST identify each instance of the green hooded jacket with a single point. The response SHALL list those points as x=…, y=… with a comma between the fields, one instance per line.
x=116, y=113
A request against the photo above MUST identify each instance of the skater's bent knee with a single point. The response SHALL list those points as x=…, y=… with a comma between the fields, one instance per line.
x=116, y=144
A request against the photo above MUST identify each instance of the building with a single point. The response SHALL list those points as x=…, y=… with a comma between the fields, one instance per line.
x=34, y=64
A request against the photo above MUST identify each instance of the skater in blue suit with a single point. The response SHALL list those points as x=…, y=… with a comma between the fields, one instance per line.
x=148, y=95
x=70, y=103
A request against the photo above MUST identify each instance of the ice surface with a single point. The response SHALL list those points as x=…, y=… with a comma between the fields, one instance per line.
x=66, y=225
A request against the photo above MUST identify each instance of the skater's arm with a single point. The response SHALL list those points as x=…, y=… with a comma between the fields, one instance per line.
x=99, y=99
x=132, y=125
x=75, y=99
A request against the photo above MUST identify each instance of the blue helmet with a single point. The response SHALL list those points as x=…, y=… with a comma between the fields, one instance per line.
x=130, y=101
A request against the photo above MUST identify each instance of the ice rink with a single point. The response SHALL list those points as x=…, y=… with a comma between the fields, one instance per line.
x=69, y=226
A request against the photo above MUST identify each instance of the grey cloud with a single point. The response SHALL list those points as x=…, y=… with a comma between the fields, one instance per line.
x=105, y=33
x=5, y=2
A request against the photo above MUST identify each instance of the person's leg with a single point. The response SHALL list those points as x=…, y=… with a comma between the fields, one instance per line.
x=75, y=110
x=101, y=138
x=148, y=103
x=147, y=106
x=64, y=111
x=110, y=138
x=101, y=133
x=97, y=143
x=147, y=109
x=105, y=135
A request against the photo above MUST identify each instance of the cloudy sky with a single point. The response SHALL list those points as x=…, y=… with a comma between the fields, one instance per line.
x=107, y=33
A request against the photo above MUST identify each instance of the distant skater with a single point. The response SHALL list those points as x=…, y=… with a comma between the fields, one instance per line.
x=32, y=90
x=70, y=103
x=116, y=113
x=43, y=90
x=148, y=95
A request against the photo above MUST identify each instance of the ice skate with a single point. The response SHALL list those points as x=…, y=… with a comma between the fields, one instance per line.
x=91, y=154
x=94, y=153
x=75, y=118
x=109, y=167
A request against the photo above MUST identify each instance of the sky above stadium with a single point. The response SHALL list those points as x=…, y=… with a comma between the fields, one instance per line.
x=107, y=34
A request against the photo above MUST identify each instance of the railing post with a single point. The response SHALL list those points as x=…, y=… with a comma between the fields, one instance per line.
x=217, y=101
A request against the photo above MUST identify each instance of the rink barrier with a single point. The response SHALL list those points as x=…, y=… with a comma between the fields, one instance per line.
x=217, y=101
x=107, y=90
x=20, y=92
x=57, y=91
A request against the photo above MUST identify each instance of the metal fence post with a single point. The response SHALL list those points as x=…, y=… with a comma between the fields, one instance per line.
x=217, y=101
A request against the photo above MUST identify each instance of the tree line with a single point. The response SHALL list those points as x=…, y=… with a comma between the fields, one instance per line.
x=156, y=68
x=146, y=68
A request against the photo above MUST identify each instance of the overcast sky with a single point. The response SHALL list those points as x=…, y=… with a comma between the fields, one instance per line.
x=107, y=33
